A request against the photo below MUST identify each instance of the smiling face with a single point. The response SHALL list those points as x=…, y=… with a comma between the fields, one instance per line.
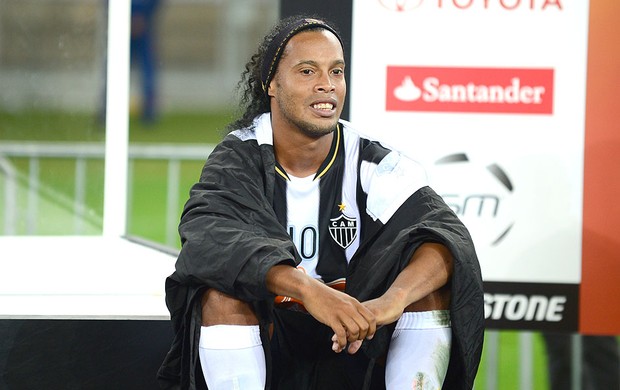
x=308, y=89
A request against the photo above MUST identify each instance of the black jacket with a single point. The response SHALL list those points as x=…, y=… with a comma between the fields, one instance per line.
x=231, y=237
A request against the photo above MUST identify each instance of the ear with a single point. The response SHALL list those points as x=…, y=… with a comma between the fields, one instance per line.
x=270, y=89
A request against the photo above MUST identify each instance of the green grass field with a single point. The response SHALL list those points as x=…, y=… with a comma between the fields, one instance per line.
x=147, y=200
x=148, y=197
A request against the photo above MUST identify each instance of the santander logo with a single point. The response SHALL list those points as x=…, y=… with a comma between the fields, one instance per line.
x=491, y=90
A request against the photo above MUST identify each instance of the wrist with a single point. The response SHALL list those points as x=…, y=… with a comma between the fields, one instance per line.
x=288, y=281
x=397, y=298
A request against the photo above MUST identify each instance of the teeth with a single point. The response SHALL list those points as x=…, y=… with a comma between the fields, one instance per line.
x=323, y=106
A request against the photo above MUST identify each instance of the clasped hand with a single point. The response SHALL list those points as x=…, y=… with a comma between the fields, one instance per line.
x=352, y=321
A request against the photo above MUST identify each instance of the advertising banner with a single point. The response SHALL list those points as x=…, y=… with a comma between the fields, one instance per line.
x=489, y=95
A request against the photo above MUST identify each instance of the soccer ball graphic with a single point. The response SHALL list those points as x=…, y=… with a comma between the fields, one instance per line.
x=480, y=193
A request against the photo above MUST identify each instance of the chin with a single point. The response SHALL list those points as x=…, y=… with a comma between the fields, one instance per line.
x=319, y=130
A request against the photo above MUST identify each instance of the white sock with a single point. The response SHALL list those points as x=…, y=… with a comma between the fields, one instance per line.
x=419, y=351
x=232, y=357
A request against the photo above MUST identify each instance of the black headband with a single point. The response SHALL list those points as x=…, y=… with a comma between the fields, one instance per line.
x=277, y=44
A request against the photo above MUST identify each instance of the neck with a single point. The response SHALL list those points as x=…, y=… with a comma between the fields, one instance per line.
x=300, y=155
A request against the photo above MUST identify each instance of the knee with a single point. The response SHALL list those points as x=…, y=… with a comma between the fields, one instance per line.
x=222, y=309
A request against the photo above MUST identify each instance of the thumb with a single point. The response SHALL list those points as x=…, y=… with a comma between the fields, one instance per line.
x=354, y=347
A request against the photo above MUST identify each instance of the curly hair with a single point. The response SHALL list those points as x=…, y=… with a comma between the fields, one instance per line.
x=253, y=100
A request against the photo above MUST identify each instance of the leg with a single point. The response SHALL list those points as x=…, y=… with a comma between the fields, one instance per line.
x=231, y=352
x=221, y=309
x=419, y=352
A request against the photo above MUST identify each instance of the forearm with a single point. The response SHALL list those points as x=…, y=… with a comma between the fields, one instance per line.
x=429, y=269
x=289, y=281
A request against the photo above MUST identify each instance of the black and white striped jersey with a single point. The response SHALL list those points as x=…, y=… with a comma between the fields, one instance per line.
x=359, y=184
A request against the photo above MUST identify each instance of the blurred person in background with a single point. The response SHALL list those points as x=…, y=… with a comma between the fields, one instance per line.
x=144, y=54
x=143, y=60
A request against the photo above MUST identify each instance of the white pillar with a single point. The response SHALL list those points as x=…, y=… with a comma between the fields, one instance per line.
x=117, y=119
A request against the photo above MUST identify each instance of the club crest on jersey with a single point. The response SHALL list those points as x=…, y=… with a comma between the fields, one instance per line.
x=343, y=230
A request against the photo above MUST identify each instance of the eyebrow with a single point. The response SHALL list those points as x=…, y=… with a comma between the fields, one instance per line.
x=314, y=63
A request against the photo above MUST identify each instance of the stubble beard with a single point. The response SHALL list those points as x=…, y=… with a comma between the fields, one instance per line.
x=312, y=130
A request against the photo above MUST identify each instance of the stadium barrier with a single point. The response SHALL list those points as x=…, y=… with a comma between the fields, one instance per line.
x=82, y=153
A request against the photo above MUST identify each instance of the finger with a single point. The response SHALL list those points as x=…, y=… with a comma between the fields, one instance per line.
x=339, y=338
x=359, y=330
x=354, y=346
x=367, y=324
x=372, y=324
x=353, y=326
x=336, y=346
x=354, y=332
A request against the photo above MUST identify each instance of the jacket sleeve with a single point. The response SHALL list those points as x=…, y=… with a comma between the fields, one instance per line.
x=229, y=233
x=230, y=238
x=425, y=217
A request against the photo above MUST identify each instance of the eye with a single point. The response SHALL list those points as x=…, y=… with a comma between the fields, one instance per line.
x=307, y=71
x=338, y=71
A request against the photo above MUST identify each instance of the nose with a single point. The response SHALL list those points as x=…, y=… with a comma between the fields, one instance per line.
x=325, y=84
